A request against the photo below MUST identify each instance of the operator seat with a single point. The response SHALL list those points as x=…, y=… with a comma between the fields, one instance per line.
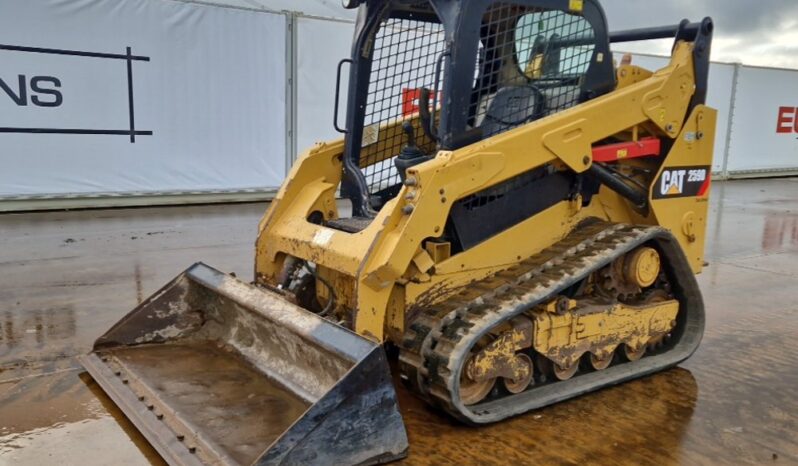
x=512, y=106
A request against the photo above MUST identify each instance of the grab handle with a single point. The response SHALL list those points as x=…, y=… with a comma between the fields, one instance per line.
x=338, y=94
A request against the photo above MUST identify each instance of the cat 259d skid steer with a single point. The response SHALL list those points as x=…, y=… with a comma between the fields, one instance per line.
x=527, y=221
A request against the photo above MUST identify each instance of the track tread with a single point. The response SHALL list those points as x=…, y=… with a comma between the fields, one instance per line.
x=431, y=363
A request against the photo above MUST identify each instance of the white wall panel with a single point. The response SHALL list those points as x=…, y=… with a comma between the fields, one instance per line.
x=322, y=44
x=318, y=8
x=721, y=88
x=211, y=92
x=755, y=142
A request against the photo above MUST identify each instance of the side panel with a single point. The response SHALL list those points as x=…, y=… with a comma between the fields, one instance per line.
x=680, y=192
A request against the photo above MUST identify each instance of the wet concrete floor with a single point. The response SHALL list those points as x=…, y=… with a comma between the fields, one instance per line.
x=66, y=277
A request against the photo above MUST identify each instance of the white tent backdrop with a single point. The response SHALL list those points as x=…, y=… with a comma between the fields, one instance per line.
x=764, y=135
x=227, y=92
x=206, y=88
x=322, y=44
x=327, y=9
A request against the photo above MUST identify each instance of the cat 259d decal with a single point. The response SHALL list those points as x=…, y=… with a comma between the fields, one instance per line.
x=682, y=182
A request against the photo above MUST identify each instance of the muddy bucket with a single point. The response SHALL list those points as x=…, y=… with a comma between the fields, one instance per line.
x=215, y=371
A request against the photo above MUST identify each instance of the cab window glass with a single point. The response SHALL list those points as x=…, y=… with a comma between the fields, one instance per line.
x=553, y=44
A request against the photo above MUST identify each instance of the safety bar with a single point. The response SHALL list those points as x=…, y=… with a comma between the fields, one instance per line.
x=688, y=31
x=684, y=30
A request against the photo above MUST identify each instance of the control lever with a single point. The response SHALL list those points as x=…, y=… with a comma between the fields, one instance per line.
x=424, y=113
x=411, y=154
x=410, y=133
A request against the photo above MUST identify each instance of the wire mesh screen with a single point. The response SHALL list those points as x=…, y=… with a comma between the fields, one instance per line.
x=531, y=63
x=403, y=61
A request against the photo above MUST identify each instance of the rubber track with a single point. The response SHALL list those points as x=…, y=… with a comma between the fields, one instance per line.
x=438, y=341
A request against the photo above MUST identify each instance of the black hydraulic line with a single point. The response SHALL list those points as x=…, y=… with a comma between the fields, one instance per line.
x=331, y=300
x=288, y=271
x=638, y=197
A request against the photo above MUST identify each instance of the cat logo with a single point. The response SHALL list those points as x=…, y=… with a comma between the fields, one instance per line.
x=672, y=183
x=682, y=182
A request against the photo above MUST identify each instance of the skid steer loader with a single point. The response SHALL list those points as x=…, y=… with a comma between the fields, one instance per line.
x=527, y=219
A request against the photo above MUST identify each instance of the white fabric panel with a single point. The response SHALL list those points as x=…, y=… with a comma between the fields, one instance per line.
x=755, y=142
x=324, y=8
x=318, y=8
x=212, y=93
x=721, y=77
x=721, y=87
x=322, y=44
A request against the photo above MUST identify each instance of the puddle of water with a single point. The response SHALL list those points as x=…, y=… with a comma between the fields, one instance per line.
x=36, y=328
x=100, y=441
x=62, y=417
x=633, y=421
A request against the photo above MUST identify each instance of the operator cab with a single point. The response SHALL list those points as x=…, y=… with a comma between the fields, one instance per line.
x=440, y=75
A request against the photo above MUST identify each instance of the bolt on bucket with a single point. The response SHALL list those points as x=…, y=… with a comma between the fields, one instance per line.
x=215, y=371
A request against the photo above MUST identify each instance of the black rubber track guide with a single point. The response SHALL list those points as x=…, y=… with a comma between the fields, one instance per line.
x=439, y=340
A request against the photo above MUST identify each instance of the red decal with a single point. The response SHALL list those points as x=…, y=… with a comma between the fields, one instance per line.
x=786, y=120
x=627, y=150
x=410, y=102
x=705, y=187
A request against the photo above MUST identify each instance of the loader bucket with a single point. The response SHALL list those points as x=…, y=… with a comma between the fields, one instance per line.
x=215, y=371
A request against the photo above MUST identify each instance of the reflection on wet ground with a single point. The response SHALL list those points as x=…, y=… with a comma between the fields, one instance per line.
x=64, y=416
x=643, y=422
x=66, y=277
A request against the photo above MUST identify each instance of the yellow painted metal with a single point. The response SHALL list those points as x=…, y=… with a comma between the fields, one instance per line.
x=439, y=251
x=642, y=266
x=599, y=328
x=630, y=74
x=386, y=266
x=534, y=69
x=559, y=305
x=576, y=5
x=343, y=284
x=423, y=261
x=500, y=251
x=686, y=217
x=386, y=134
x=499, y=359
